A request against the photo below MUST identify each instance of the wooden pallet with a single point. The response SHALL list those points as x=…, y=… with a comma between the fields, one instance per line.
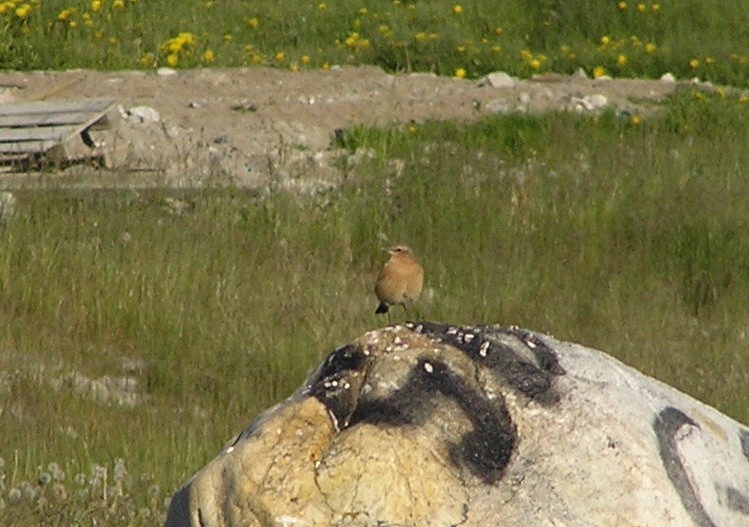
x=34, y=134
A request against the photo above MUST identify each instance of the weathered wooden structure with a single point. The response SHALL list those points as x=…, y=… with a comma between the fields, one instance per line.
x=57, y=133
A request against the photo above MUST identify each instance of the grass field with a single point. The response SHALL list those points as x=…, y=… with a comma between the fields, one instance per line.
x=689, y=38
x=135, y=341
x=630, y=238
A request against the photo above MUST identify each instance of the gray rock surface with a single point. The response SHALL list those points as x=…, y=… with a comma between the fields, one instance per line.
x=434, y=425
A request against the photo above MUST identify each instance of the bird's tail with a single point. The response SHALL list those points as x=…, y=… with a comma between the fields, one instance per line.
x=382, y=308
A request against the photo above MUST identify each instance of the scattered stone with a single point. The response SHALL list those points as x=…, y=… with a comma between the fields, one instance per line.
x=587, y=104
x=498, y=106
x=142, y=114
x=439, y=425
x=580, y=73
x=166, y=72
x=497, y=79
x=668, y=77
x=7, y=206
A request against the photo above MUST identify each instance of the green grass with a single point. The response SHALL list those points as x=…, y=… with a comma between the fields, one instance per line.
x=632, y=239
x=624, y=38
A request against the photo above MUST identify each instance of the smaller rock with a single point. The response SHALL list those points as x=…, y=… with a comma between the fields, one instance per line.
x=7, y=206
x=580, y=74
x=166, y=72
x=498, y=106
x=497, y=79
x=668, y=77
x=143, y=114
x=597, y=100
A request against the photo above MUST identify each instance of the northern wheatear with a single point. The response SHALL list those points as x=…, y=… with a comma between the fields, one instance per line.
x=400, y=280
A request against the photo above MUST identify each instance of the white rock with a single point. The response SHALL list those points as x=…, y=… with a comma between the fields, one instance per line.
x=668, y=77
x=166, y=72
x=144, y=114
x=597, y=100
x=497, y=79
x=7, y=205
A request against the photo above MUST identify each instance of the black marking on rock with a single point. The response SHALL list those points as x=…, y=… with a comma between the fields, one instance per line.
x=546, y=357
x=744, y=438
x=666, y=424
x=737, y=501
x=532, y=380
x=487, y=449
x=332, y=387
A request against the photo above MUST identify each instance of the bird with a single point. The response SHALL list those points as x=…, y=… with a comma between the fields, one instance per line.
x=400, y=280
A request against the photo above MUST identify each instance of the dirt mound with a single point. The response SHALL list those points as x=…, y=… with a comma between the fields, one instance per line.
x=256, y=126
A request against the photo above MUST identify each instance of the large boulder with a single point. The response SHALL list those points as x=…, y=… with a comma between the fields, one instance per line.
x=435, y=425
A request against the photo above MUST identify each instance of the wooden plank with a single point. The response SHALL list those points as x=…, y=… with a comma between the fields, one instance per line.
x=26, y=147
x=37, y=133
x=53, y=129
x=41, y=119
x=51, y=107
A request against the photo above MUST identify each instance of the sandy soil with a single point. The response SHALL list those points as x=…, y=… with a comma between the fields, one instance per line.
x=252, y=126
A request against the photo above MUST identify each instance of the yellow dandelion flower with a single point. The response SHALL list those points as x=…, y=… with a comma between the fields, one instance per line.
x=622, y=6
x=709, y=60
x=228, y=37
x=498, y=30
x=457, y=9
x=280, y=56
x=95, y=6
x=362, y=11
x=598, y=72
x=23, y=11
x=112, y=41
x=421, y=36
x=743, y=99
x=351, y=39
x=641, y=8
x=325, y=66
x=208, y=56
x=650, y=48
x=306, y=59
x=322, y=6
x=99, y=34
x=118, y=4
x=461, y=49
x=412, y=129
x=535, y=64
x=694, y=63
x=655, y=8
x=605, y=40
x=384, y=30
x=496, y=49
x=254, y=22
x=147, y=60
x=73, y=24
x=526, y=55
x=172, y=59
x=635, y=120
x=621, y=60
x=293, y=67
x=460, y=73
